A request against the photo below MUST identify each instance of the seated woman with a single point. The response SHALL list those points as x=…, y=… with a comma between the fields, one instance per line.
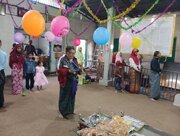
x=134, y=73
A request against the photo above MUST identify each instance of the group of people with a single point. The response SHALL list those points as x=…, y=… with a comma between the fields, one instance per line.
x=23, y=67
x=135, y=66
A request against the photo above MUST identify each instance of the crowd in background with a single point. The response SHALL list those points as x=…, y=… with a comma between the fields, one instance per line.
x=135, y=67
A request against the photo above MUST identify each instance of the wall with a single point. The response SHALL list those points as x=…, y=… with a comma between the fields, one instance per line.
x=147, y=59
x=7, y=27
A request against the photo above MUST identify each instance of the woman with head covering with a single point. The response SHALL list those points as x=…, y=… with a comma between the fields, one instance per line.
x=100, y=67
x=16, y=61
x=118, y=72
x=135, y=68
x=155, y=76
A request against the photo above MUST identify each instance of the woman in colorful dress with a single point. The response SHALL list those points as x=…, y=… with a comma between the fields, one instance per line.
x=68, y=71
x=100, y=67
x=16, y=61
x=135, y=68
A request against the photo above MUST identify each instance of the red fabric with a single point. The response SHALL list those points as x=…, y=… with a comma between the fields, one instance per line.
x=62, y=76
x=16, y=57
x=118, y=63
x=114, y=58
x=134, y=57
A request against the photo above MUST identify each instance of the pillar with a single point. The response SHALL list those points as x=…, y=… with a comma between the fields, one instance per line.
x=108, y=51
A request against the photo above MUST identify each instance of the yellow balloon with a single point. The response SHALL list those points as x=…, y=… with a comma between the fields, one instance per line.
x=33, y=23
x=136, y=43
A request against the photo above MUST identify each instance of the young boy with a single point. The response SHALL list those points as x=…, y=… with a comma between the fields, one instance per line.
x=29, y=70
x=118, y=79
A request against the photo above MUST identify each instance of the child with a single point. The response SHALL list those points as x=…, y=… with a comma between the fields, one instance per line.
x=40, y=78
x=118, y=80
x=30, y=68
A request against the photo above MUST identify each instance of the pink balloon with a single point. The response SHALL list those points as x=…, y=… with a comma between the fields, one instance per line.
x=125, y=39
x=49, y=36
x=76, y=42
x=60, y=26
x=58, y=40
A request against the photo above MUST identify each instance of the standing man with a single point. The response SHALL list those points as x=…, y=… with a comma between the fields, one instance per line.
x=155, y=76
x=3, y=60
x=30, y=49
x=68, y=70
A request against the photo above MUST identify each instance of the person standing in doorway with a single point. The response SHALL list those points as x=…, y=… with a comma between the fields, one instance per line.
x=135, y=68
x=100, y=67
x=30, y=49
x=30, y=68
x=3, y=61
x=155, y=76
x=80, y=59
x=67, y=76
x=16, y=61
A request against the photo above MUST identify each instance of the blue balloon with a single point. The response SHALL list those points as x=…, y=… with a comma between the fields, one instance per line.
x=101, y=36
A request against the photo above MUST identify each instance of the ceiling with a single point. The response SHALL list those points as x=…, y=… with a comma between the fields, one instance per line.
x=123, y=4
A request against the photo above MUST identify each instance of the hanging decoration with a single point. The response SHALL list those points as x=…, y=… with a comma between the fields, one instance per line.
x=61, y=7
x=60, y=26
x=76, y=42
x=33, y=23
x=87, y=26
x=136, y=42
x=49, y=36
x=19, y=37
x=66, y=11
x=125, y=39
x=135, y=23
x=144, y=28
x=101, y=36
x=133, y=5
x=171, y=4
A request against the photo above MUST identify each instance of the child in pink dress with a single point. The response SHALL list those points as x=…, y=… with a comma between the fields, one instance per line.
x=40, y=78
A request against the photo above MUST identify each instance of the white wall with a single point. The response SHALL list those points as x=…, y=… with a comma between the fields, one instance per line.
x=147, y=59
x=7, y=29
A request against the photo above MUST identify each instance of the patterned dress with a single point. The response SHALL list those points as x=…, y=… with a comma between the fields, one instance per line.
x=17, y=79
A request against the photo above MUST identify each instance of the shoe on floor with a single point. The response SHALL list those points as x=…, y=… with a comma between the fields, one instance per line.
x=24, y=94
x=153, y=99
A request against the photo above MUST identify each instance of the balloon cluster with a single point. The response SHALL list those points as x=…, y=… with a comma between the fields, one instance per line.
x=33, y=24
x=126, y=39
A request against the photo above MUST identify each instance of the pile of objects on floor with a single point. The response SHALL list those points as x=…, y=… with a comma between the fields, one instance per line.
x=103, y=125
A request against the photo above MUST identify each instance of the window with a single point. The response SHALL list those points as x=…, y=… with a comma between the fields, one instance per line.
x=52, y=3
